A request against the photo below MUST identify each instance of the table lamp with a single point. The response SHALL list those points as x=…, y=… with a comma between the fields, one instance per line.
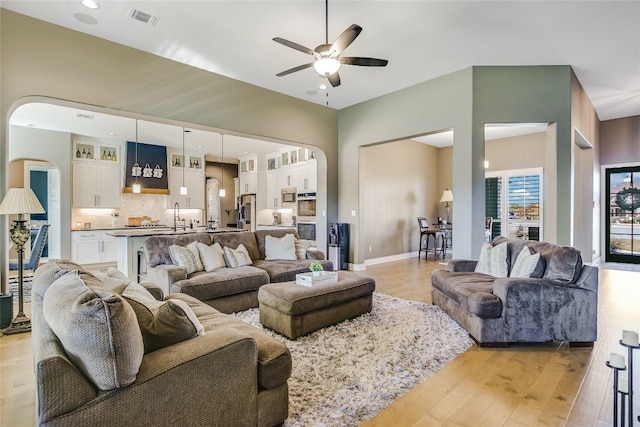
x=447, y=196
x=20, y=201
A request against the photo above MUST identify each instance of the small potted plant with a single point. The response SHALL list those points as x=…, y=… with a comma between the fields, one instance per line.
x=315, y=268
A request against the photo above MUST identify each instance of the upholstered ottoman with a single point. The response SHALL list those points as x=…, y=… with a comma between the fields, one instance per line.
x=294, y=310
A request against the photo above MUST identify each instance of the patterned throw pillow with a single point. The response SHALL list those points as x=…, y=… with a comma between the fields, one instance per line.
x=212, y=256
x=302, y=246
x=525, y=263
x=493, y=260
x=237, y=257
x=163, y=323
x=184, y=257
x=282, y=248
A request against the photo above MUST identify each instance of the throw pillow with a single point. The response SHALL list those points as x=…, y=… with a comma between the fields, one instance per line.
x=184, y=257
x=163, y=323
x=493, y=260
x=212, y=256
x=282, y=248
x=525, y=263
x=193, y=248
x=302, y=246
x=97, y=329
x=237, y=257
x=48, y=273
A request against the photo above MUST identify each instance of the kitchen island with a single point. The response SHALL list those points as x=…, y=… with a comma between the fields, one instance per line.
x=129, y=243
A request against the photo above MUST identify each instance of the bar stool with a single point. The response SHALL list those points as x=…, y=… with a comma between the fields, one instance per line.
x=423, y=224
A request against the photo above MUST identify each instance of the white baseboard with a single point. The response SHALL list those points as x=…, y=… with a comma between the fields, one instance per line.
x=390, y=258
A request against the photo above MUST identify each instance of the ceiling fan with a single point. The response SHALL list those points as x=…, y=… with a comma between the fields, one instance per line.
x=326, y=56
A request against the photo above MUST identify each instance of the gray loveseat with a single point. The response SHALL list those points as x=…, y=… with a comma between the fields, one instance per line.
x=225, y=289
x=559, y=302
x=232, y=375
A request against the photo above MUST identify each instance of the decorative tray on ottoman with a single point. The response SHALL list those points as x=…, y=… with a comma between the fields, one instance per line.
x=322, y=278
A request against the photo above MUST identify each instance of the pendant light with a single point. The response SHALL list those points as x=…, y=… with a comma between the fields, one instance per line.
x=183, y=189
x=222, y=192
x=136, y=185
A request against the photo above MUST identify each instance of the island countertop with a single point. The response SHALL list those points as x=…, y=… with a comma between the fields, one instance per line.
x=151, y=231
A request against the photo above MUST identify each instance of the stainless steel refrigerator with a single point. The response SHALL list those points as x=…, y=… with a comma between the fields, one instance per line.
x=247, y=212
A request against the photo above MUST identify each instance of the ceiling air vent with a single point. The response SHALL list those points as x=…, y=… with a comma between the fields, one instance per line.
x=144, y=17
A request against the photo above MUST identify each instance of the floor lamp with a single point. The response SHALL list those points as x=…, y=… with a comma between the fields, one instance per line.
x=447, y=197
x=20, y=201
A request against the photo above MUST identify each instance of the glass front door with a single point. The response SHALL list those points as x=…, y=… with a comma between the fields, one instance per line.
x=623, y=216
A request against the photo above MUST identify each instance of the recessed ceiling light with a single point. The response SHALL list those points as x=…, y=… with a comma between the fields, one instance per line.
x=323, y=86
x=90, y=4
x=112, y=134
x=199, y=146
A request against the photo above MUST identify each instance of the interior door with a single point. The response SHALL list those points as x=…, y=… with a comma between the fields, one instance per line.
x=622, y=222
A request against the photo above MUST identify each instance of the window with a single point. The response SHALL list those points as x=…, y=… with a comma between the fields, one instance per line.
x=516, y=208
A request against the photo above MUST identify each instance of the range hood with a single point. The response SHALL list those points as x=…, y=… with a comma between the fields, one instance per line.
x=147, y=165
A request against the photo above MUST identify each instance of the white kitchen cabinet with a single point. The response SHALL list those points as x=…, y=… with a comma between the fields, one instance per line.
x=96, y=184
x=248, y=183
x=273, y=192
x=93, y=247
x=288, y=177
x=194, y=180
x=248, y=163
x=307, y=177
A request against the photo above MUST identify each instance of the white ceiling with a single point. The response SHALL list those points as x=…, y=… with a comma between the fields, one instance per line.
x=421, y=39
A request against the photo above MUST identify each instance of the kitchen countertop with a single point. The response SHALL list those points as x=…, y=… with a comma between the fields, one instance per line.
x=121, y=228
x=277, y=225
x=159, y=231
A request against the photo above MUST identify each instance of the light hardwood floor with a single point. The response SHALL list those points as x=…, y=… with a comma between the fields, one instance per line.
x=523, y=385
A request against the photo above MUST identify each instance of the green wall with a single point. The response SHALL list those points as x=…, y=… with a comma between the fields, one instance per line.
x=463, y=101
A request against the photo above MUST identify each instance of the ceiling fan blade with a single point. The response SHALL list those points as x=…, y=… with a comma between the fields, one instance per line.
x=334, y=79
x=294, y=69
x=365, y=62
x=345, y=39
x=296, y=46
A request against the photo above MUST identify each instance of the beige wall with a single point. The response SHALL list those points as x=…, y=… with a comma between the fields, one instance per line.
x=586, y=199
x=399, y=182
x=620, y=141
x=521, y=152
x=445, y=179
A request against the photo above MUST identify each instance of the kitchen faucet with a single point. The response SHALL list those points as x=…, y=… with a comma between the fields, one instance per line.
x=176, y=216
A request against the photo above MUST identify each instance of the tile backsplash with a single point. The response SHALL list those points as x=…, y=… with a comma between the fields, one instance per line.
x=132, y=205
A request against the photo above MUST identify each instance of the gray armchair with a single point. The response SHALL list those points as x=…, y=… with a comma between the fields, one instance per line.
x=559, y=302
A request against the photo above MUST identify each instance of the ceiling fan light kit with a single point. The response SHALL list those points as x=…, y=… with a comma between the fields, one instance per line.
x=326, y=56
x=325, y=66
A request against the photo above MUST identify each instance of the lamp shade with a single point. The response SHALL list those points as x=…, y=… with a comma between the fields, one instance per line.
x=20, y=201
x=447, y=196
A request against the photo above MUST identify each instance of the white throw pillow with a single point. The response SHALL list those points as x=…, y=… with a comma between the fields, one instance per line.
x=493, y=260
x=212, y=256
x=184, y=257
x=525, y=263
x=282, y=248
x=237, y=257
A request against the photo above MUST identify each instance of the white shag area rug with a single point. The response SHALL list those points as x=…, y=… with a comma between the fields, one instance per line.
x=347, y=373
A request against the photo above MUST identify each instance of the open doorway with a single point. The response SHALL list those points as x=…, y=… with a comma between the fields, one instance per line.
x=44, y=179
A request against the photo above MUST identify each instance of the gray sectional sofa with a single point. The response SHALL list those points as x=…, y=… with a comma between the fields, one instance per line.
x=228, y=374
x=225, y=289
x=558, y=302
